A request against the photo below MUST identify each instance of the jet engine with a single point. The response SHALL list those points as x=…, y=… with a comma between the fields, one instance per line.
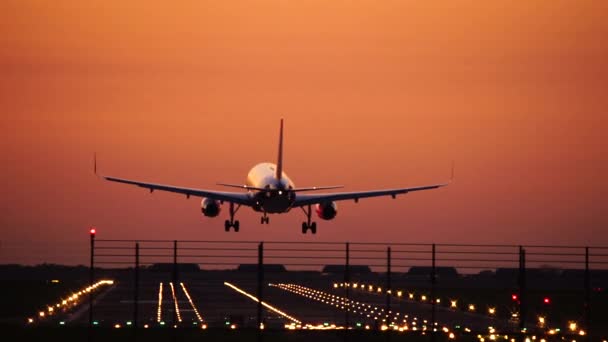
x=210, y=207
x=326, y=211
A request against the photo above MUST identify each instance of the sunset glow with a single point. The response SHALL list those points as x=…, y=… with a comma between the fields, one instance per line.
x=375, y=94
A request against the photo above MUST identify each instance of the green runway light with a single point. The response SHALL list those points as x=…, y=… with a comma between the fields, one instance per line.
x=162, y=323
x=326, y=324
x=227, y=323
x=194, y=323
x=129, y=323
x=62, y=323
x=358, y=324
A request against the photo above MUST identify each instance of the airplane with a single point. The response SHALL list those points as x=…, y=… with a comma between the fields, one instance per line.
x=269, y=190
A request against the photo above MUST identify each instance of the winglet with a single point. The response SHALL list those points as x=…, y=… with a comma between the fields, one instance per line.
x=95, y=163
x=279, y=170
x=452, y=176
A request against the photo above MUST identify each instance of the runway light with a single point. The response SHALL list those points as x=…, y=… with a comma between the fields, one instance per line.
x=30, y=320
x=451, y=336
x=514, y=297
x=93, y=231
x=491, y=311
x=117, y=326
x=453, y=304
x=546, y=300
x=572, y=326
x=471, y=307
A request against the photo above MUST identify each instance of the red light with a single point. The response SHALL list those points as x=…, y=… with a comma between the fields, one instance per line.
x=514, y=296
x=546, y=300
x=92, y=231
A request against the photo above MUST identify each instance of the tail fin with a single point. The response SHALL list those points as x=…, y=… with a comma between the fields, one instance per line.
x=279, y=171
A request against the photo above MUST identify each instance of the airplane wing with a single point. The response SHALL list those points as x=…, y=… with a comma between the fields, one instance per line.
x=235, y=197
x=303, y=199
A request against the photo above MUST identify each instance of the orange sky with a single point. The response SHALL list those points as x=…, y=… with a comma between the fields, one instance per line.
x=374, y=94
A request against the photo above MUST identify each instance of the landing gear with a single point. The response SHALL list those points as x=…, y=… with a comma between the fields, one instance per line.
x=265, y=219
x=312, y=227
x=308, y=224
x=232, y=223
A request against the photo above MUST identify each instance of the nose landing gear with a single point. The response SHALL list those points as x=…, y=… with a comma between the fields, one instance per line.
x=265, y=219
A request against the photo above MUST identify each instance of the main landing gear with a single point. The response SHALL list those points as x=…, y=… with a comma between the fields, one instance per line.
x=232, y=223
x=308, y=225
x=264, y=219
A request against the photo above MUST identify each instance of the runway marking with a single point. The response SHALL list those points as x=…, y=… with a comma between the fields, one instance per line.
x=160, y=303
x=179, y=316
x=268, y=306
x=198, y=315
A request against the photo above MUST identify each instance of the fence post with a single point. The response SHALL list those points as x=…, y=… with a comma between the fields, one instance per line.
x=91, y=276
x=388, y=294
x=522, y=288
x=388, y=280
x=174, y=276
x=347, y=290
x=433, y=299
x=260, y=288
x=136, y=287
x=587, y=313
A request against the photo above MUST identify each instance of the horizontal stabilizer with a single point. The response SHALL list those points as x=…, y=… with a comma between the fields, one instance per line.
x=245, y=187
x=314, y=188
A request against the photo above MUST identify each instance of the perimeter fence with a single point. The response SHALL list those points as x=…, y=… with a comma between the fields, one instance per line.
x=423, y=288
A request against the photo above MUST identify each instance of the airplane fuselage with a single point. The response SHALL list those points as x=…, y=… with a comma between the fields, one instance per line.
x=278, y=197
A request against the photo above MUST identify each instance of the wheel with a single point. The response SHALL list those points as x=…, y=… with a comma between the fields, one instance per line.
x=313, y=227
x=227, y=225
x=304, y=227
x=236, y=225
x=262, y=220
x=267, y=220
